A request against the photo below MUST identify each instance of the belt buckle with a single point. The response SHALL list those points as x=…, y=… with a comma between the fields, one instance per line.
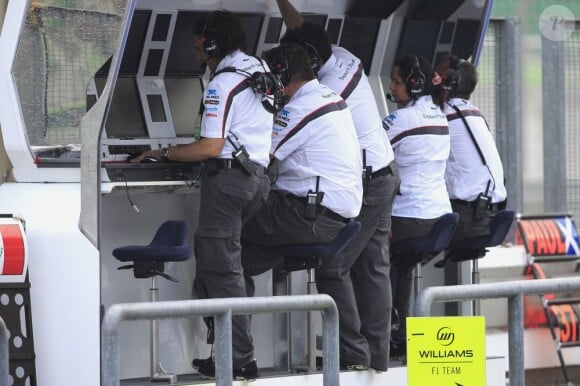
x=227, y=163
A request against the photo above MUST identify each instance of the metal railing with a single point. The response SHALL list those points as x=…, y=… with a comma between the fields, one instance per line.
x=514, y=291
x=4, y=354
x=222, y=311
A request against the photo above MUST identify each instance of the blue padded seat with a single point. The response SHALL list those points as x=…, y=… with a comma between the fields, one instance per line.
x=423, y=249
x=167, y=245
x=306, y=256
x=474, y=247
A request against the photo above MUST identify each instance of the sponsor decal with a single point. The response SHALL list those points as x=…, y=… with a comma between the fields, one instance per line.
x=211, y=102
x=211, y=115
x=390, y=119
x=280, y=123
x=347, y=71
x=545, y=237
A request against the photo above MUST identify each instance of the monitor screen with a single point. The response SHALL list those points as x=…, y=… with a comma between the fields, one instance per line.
x=184, y=95
x=125, y=119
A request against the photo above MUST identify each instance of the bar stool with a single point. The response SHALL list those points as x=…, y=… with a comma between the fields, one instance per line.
x=298, y=258
x=420, y=250
x=167, y=245
x=474, y=248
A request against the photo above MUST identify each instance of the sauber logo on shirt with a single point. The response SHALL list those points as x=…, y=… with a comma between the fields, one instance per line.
x=348, y=69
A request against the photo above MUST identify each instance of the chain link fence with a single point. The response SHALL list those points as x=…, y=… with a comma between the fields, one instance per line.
x=572, y=120
x=59, y=51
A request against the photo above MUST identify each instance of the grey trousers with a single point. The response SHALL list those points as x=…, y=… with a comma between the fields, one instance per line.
x=402, y=271
x=358, y=280
x=228, y=200
x=280, y=222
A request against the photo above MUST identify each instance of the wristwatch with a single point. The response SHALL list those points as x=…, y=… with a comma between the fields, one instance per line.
x=164, y=152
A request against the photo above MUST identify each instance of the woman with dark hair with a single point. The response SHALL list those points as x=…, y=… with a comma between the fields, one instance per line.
x=474, y=175
x=420, y=138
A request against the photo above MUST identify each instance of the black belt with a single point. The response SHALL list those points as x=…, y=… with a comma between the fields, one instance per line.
x=323, y=211
x=492, y=207
x=382, y=172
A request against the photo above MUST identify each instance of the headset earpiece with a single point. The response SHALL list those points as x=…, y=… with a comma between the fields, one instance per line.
x=415, y=82
x=209, y=38
x=451, y=81
x=279, y=66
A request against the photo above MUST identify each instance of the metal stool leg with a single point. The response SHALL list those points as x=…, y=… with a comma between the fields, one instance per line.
x=417, y=278
x=475, y=280
x=311, y=355
x=282, y=349
x=158, y=373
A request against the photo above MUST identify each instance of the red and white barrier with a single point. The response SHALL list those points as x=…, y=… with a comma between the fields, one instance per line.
x=13, y=251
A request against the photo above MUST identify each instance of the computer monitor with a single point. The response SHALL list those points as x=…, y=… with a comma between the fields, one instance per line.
x=125, y=119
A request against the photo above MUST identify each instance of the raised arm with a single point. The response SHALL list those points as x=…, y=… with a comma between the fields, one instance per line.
x=292, y=18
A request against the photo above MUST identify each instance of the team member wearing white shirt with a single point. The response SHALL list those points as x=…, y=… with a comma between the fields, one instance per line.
x=420, y=137
x=233, y=118
x=315, y=143
x=474, y=167
x=358, y=279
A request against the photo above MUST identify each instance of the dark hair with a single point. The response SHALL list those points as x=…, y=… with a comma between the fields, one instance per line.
x=225, y=28
x=407, y=64
x=313, y=35
x=291, y=62
x=459, y=73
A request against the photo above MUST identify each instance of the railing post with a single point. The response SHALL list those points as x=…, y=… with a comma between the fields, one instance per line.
x=223, y=349
x=111, y=371
x=516, y=339
x=4, y=378
x=330, y=363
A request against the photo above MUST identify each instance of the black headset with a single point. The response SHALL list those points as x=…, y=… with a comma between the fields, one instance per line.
x=279, y=66
x=451, y=81
x=209, y=38
x=415, y=82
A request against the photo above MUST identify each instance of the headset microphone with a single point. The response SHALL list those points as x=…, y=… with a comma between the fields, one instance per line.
x=390, y=97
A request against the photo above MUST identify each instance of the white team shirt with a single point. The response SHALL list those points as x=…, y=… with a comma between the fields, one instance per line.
x=466, y=175
x=344, y=73
x=420, y=138
x=232, y=109
x=314, y=136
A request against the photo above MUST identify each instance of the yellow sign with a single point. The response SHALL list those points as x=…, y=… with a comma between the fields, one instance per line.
x=446, y=351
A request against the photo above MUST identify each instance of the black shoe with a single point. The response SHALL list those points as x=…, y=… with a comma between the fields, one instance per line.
x=343, y=365
x=352, y=366
x=206, y=368
x=248, y=372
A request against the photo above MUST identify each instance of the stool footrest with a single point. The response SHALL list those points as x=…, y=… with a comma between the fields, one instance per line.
x=147, y=269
